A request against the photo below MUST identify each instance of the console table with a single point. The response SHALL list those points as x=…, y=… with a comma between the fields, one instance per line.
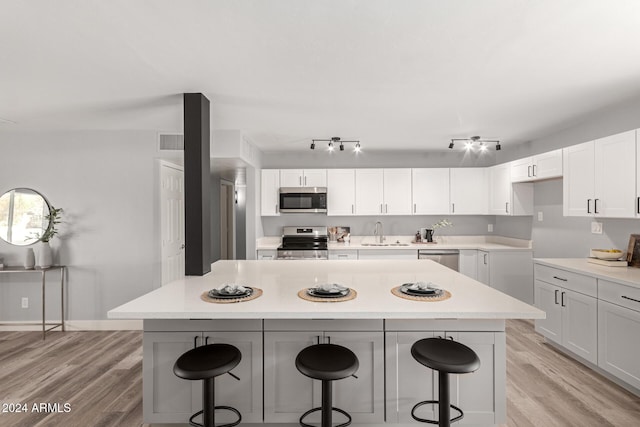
x=43, y=272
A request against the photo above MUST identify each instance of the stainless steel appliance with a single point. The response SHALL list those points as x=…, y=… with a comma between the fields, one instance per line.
x=303, y=199
x=447, y=257
x=304, y=243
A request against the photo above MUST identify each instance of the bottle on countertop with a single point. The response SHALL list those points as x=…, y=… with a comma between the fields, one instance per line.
x=418, y=237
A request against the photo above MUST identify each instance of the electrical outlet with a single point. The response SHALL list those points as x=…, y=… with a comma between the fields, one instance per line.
x=25, y=302
x=596, y=227
x=490, y=228
x=540, y=216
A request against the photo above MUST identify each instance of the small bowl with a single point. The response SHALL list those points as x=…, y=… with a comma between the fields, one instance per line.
x=603, y=254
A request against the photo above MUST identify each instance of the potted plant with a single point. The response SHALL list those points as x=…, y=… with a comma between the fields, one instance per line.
x=45, y=257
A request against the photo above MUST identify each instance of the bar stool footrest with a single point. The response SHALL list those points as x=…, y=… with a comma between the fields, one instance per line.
x=310, y=411
x=227, y=408
x=434, y=402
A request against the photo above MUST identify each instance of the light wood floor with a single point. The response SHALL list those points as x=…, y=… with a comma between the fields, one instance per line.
x=100, y=375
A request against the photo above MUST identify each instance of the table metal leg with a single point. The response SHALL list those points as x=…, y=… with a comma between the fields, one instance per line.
x=62, y=271
x=43, y=305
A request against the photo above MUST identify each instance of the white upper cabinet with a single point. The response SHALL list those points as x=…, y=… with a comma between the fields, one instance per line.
x=383, y=192
x=506, y=198
x=397, y=191
x=600, y=176
x=303, y=177
x=539, y=167
x=469, y=193
x=369, y=191
x=430, y=191
x=269, y=194
x=341, y=191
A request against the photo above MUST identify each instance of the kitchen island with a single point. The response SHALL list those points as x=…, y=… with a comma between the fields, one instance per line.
x=377, y=325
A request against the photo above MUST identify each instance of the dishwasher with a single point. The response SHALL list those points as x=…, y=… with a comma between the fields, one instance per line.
x=447, y=257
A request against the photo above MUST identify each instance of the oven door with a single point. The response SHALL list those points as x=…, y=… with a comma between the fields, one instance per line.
x=297, y=254
x=303, y=200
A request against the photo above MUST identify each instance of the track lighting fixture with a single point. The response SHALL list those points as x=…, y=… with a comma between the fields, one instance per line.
x=334, y=141
x=476, y=143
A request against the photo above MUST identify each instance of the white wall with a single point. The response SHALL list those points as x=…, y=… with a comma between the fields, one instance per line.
x=106, y=183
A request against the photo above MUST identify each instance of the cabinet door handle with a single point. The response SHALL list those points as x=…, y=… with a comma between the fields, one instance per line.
x=506, y=207
x=300, y=181
x=276, y=208
x=559, y=278
x=529, y=171
x=485, y=259
x=386, y=208
x=353, y=209
x=195, y=341
x=206, y=340
x=562, y=299
x=318, y=339
x=453, y=208
x=638, y=205
x=381, y=211
x=588, y=205
x=343, y=256
x=328, y=340
x=556, y=296
x=305, y=181
x=234, y=376
x=414, y=206
x=534, y=170
x=595, y=205
x=630, y=299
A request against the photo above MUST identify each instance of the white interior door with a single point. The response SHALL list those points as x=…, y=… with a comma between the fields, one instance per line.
x=172, y=221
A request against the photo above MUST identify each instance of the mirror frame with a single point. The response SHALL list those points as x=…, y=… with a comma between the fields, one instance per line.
x=48, y=208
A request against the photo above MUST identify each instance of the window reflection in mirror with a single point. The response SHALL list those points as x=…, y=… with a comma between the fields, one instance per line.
x=23, y=216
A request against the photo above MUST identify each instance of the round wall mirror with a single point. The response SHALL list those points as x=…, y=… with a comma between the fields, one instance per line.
x=23, y=215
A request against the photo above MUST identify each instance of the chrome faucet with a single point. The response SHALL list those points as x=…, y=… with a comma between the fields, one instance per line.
x=377, y=231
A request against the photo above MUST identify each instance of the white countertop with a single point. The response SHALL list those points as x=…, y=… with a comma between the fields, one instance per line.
x=281, y=281
x=486, y=243
x=626, y=275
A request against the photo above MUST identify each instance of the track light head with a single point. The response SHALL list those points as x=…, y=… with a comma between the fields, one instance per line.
x=313, y=145
x=341, y=146
x=498, y=147
x=330, y=146
x=357, y=147
x=451, y=145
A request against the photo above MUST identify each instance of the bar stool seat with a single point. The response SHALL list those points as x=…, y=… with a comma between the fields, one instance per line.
x=447, y=357
x=205, y=363
x=327, y=363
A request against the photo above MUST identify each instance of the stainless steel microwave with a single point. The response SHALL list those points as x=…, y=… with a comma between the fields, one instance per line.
x=303, y=199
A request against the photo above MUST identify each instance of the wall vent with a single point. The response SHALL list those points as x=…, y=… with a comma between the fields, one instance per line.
x=171, y=142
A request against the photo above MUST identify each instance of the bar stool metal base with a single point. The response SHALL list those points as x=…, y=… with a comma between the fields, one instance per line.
x=434, y=402
x=228, y=408
x=319, y=408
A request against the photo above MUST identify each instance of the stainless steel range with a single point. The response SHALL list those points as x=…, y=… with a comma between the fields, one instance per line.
x=304, y=243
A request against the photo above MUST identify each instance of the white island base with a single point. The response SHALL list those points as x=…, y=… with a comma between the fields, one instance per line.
x=378, y=326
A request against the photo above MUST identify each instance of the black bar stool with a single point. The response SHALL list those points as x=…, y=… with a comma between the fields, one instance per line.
x=447, y=357
x=205, y=363
x=327, y=362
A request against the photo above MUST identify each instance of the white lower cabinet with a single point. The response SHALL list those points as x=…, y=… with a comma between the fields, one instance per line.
x=344, y=254
x=571, y=319
x=468, y=263
x=267, y=254
x=169, y=399
x=387, y=254
x=482, y=270
x=288, y=393
x=481, y=394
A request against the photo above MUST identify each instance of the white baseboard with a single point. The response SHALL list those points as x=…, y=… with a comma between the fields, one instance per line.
x=79, y=325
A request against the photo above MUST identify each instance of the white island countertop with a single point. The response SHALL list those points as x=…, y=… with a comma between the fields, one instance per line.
x=372, y=280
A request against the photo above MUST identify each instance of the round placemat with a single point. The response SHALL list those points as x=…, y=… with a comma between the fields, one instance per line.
x=305, y=296
x=206, y=298
x=445, y=295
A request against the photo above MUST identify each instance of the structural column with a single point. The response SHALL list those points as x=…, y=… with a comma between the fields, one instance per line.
x=197, y=183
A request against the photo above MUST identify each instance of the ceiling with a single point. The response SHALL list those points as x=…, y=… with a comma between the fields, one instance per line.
x=407, y=74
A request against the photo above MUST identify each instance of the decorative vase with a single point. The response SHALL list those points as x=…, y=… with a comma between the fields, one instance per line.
x=30, y=260
x=429, y=235
x=45, y=256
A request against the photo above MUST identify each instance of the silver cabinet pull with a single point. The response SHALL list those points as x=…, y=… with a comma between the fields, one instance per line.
x=234, y=376
x=414, y=206
x=562, y=299
x=318, y=339
x=386, y=208
x=195, y=341
x=453, y=208
x=506, y=207
x=556, y=296
x=305, y=181
x=595, y=205
x=485, y=259
x=276, y=208
x=630, y=299
x=343, y=256
x=560, y=278
x=529, y=171
x=534, y=170
x=381, y=211
x=353, y=209
x=300, y=181
x=638, y=205
x=588, y=205
x=206, y=340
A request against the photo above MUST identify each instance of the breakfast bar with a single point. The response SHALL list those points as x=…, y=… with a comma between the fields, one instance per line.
x=377, y=324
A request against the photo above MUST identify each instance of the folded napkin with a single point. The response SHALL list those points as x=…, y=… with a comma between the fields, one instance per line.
x=330, y=287
x=231, y=289
x=423, y=286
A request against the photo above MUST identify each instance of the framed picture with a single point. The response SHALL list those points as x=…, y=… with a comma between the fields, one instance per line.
x=633, y=251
